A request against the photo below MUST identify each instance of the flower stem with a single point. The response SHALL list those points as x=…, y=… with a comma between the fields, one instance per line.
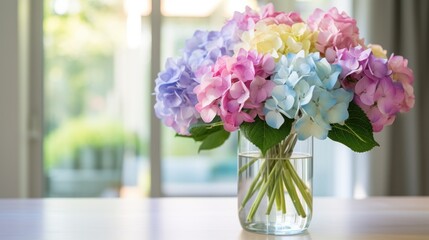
x=254, y=186
x=247, y=165
x=292, y=192
x=305, y=192
x=261, y=193
x=282, y=195
x=273, y=196
x=276, y=177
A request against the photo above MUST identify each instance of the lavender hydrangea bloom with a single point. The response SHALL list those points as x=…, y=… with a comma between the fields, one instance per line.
x=175, y=99
x=204, y=48
x=307, y=90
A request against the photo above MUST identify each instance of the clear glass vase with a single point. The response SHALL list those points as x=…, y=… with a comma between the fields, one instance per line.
x=275, y=191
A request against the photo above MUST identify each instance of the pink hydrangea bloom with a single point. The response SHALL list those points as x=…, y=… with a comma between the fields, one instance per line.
x=336, y=30
x=402, y=73
x=376, y=117
x=382, y=87
x=386, y=99
x=210, y=90
x=244, y=21
x=270, y=16
x=235, y=88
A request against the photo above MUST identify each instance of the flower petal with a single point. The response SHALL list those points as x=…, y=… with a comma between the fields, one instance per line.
x=274, y=119
x=306, y=127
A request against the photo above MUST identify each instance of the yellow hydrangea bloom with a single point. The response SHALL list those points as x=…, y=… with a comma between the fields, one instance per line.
x=278, y=40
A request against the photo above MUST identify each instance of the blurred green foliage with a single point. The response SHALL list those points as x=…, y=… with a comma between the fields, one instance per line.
x=95, y=133
x=79, y=58
x=80, y=45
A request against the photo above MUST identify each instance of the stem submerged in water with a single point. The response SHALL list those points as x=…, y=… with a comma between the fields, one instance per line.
x=276, y=177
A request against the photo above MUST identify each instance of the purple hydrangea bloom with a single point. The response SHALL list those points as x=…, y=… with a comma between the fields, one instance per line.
x=204, y=48
x=175, y=99
x=375, y=90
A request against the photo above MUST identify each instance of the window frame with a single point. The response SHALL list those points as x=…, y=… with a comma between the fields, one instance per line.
x=155, y=126
x=35, y=120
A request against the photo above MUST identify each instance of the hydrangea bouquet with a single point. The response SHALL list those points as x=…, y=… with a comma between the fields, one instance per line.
x=280, y=79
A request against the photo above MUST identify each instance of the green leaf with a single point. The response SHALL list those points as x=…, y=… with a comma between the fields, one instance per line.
x=201, y=131
x=214, y=140
x=264, y=136
x=356, y=133
x=212, y=135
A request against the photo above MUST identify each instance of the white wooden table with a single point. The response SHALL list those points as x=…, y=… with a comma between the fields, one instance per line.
x=204, y=219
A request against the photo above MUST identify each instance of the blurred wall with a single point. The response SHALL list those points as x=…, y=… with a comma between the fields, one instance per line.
x=13, y=98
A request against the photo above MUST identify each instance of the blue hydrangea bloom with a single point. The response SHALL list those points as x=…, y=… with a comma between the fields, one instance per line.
x=307, y=90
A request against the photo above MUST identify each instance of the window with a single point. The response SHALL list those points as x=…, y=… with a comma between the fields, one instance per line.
x=96, y=97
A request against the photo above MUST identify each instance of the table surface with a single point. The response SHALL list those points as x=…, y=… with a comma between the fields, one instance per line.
x=204, y=219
